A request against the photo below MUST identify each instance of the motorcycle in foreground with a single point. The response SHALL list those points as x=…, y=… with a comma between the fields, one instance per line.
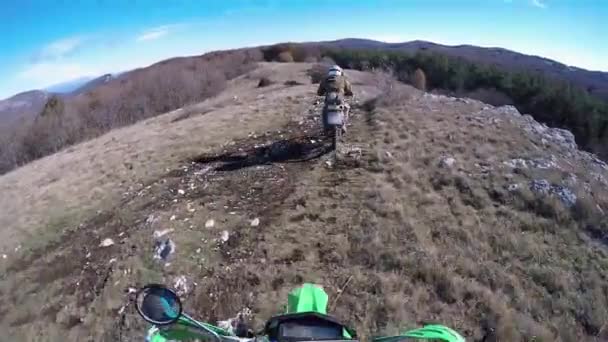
x=306, y=319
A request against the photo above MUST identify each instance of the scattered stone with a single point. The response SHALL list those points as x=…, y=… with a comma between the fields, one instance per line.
x=447, y=162
x=513, y=187
x=151, y=219
x=181, y=284
x=595, y=160
x=255, y=222
x=236, y=325
x=225, y=236
x=598, y=177
x=163, y=249
x=160, y=233
x=542, y=186
x=210, y=223
x=172, y=218
x=564, y=194
x=571, y=180
x=508, y=110
x=106, y=243
x=181, y=192
x=538, y=163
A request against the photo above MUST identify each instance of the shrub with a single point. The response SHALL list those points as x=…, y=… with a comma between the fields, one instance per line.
x=419, y=80
x=285, y=57
x=317, y=72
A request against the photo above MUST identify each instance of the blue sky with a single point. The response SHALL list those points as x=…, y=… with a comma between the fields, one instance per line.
x=48, y=42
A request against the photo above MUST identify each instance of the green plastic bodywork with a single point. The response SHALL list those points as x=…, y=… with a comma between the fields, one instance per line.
x=307, y=298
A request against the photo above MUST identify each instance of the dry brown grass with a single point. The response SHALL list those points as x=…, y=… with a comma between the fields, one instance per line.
x=417, y=242
x=134, y=96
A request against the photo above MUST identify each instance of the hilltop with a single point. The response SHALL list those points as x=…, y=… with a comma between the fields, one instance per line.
x=444, y=209
x=551, y=92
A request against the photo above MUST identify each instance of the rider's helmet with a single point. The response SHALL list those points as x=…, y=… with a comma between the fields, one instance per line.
x=335, y=70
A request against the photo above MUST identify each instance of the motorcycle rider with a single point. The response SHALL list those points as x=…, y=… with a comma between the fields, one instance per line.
x=335, y=87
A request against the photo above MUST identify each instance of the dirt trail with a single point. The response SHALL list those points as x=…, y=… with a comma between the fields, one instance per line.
x=82, y=283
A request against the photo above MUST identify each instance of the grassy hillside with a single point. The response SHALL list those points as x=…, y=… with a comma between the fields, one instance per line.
x=443, y=210
x=553, y=93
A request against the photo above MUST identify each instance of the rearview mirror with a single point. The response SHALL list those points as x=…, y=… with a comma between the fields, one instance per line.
x=158, y=304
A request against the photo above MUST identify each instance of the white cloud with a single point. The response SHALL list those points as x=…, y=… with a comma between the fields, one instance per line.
x=539, y=3
x=154, y=33
x=44, y=74
x=60, y=48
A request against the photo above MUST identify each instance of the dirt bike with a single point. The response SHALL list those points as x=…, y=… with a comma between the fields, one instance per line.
x=334, y=119
x=305, y=319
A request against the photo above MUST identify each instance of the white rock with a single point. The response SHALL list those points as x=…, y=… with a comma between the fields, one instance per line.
x=106, y=243
x=151, y=219
x=181, y=192
x=513, y=187
x=447, y=162
x=159, y=233
x=210, y=223
x=255, y=222
x=225, y=236
x=163, y=249
x=181, y=284
x=172, y=218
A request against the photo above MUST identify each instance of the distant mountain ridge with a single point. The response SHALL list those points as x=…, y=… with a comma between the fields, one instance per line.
x=92, y=84
x=595, y=82
x=69, y=86
x=24, y=105
x=28, y=104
